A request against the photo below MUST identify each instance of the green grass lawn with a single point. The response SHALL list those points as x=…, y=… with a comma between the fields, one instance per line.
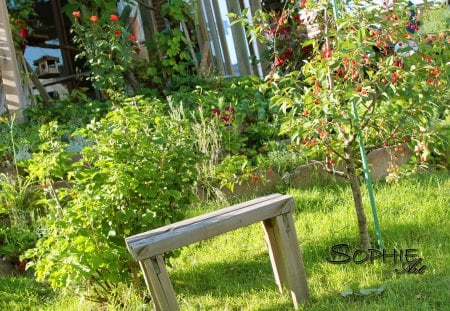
x=233, y=272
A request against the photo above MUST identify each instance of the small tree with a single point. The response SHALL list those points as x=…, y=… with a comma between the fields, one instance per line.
x=371, y=72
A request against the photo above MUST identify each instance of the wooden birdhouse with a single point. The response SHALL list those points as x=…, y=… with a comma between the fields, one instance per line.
x=47, y=67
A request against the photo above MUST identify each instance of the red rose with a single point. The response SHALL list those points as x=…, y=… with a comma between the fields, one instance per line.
x=94, y=18
x=114, y=18
x=132, y=37
x=76, y=14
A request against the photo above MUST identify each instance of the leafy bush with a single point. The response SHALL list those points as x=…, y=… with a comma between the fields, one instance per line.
x=137, y=175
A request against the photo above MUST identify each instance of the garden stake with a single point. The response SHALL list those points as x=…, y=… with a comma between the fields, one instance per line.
x=363, y=155
x=367, y=177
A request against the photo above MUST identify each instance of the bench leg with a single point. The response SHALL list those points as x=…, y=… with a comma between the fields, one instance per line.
x=159, y=285
x=286, y=257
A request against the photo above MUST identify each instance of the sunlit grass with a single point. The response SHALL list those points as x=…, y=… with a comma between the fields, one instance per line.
x=233, y=271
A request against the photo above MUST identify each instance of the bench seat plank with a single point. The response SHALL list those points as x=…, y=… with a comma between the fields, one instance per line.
x=170, y=237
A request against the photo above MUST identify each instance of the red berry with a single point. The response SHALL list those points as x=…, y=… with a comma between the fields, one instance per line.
x=327, y=53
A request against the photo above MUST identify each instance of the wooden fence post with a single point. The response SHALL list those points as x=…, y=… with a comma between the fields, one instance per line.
x=9, y=68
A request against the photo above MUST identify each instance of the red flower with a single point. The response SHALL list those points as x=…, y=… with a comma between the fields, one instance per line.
x=288, y=53
x=279, y=61
x=94, y=18
x=226, y=118
x=114, y=18
x=216, y=111
x=254, y=179
x=229, y=109
x=76, y=14
x=132, y=37
x=118, y=32
x=23, y=33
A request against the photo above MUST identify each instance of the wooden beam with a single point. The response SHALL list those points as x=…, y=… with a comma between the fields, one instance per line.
x=66, y=54
x=255, y=5
x=36, y=82
x=11, y=77
x=207, y=9
x=223, y=39
x=170, y=237
x=240, y=40
x=158, y=282
x=286, y=257
x=203, y=38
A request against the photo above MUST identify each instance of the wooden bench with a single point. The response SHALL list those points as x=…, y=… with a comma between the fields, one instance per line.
x=275, y=213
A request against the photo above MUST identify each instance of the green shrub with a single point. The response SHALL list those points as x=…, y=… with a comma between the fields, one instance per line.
x=136, y=175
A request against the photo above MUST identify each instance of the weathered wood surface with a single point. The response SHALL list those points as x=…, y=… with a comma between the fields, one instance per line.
x=9, y=69
x=274, y=211
x=167, y=238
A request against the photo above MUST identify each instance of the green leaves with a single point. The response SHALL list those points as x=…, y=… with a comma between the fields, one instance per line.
x=137, y=176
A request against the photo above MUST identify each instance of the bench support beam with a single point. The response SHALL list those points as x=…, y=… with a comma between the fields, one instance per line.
x=158, y=283
x=286, y=257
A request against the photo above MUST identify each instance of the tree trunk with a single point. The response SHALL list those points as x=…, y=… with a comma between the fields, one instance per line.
x=357, y=197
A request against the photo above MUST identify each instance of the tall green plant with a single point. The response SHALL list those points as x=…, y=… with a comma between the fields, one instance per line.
x=137, y=175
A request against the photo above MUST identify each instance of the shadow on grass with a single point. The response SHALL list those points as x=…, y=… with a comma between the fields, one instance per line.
x=215, y=278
